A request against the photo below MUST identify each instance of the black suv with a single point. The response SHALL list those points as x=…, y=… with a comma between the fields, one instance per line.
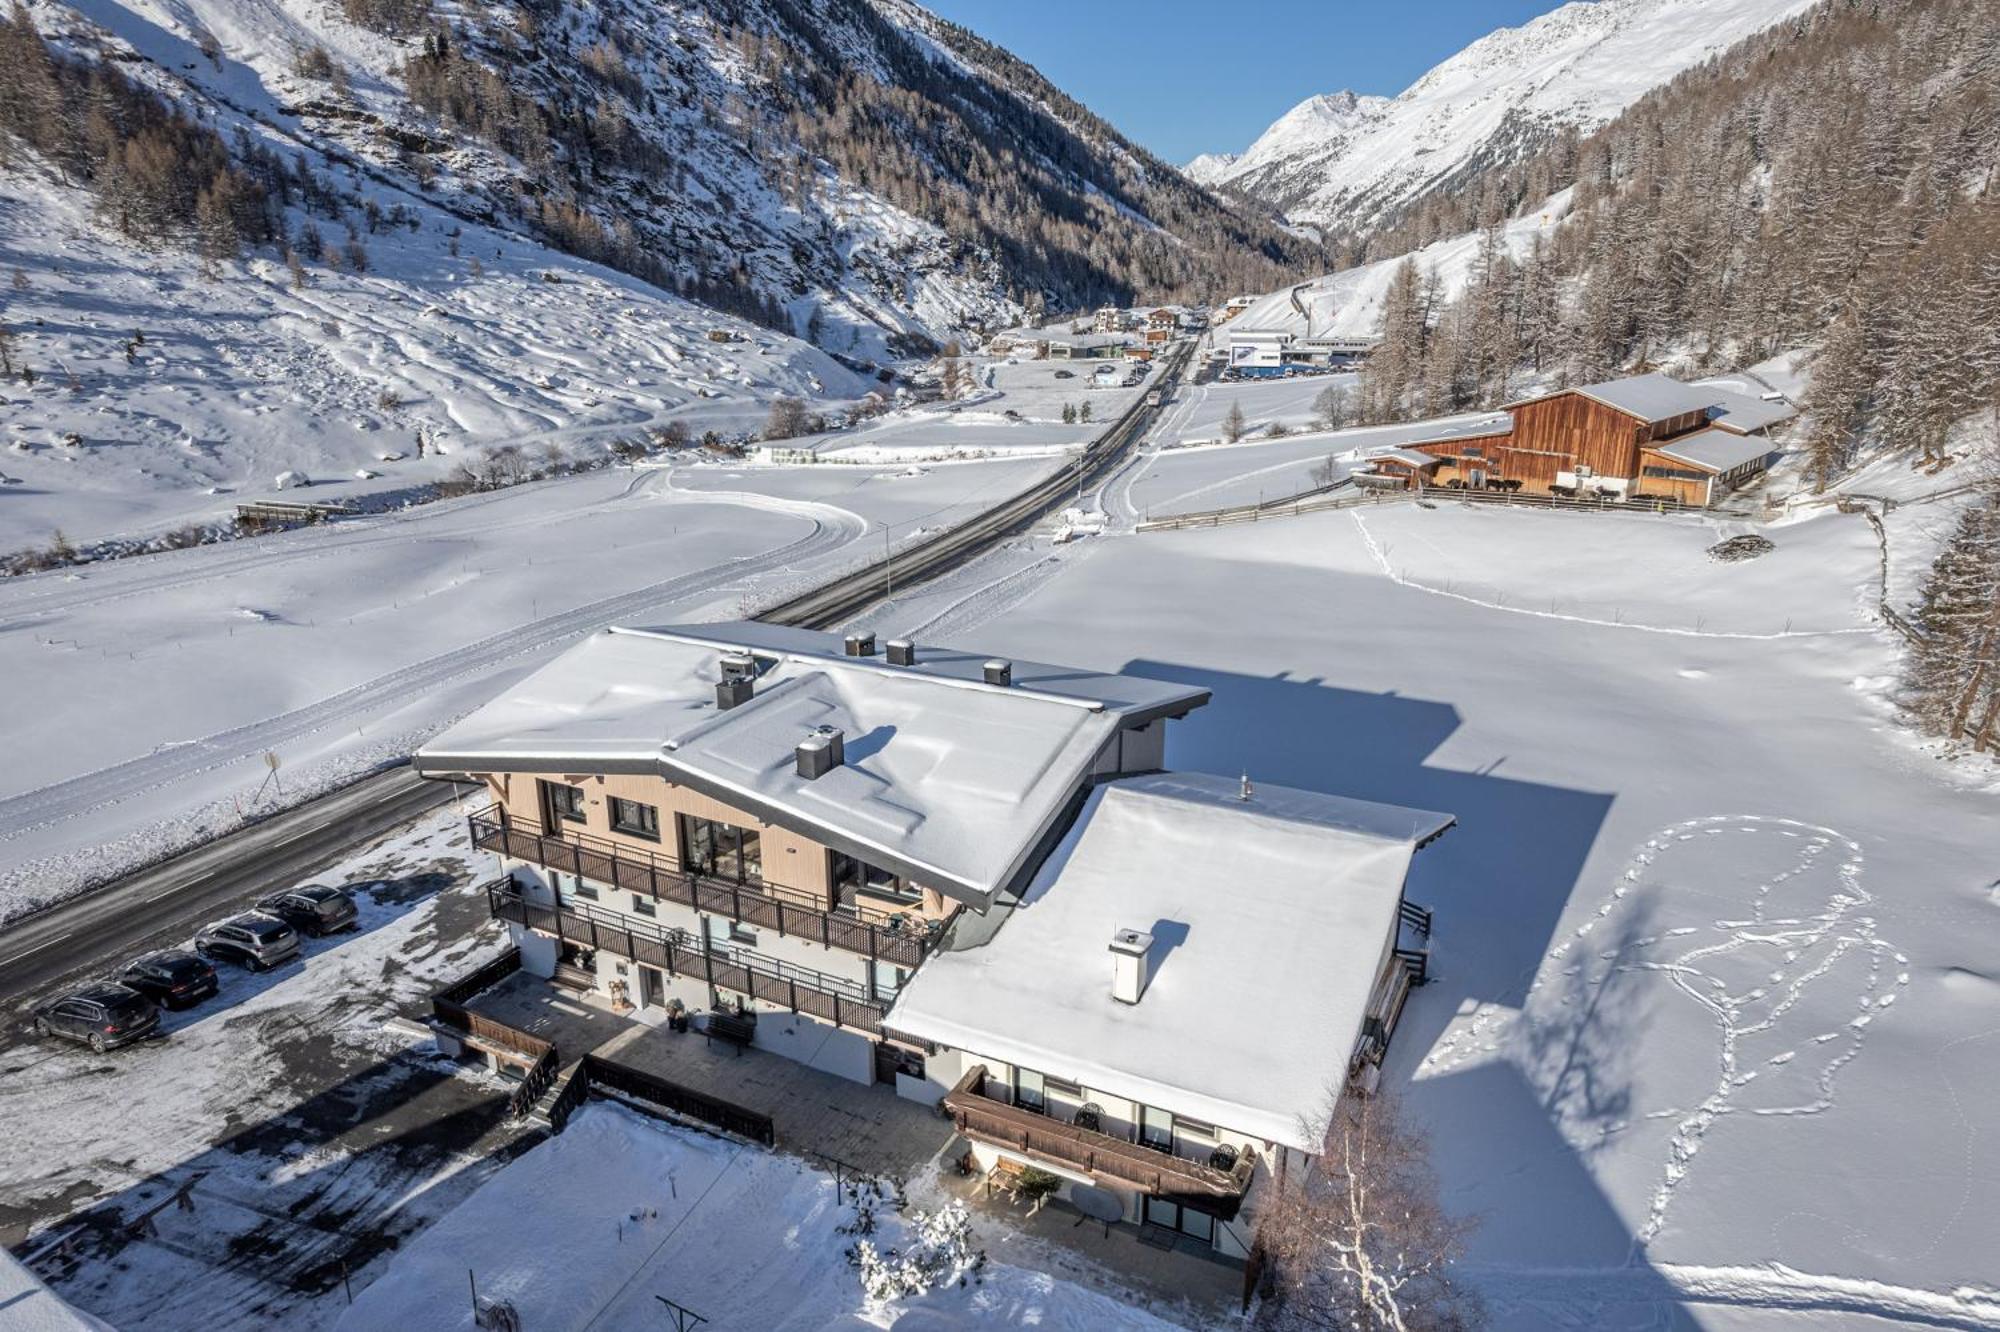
x=314, y=909
x=103, y=1016
x=252, y=939
x=173, y=978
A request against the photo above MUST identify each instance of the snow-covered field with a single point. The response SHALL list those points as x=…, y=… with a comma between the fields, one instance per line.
x=591, y=1229
x=145, y=693
x=1198, y=411
x=1218, y=476
x=1715, y=1013
x=239, y=380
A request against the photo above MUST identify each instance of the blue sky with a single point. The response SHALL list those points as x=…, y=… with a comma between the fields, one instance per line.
x=1183, y=77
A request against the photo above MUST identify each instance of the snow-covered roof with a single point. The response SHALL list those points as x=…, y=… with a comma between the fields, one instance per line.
x=27, y=1305
x=1413, y=457
x=1742, y=413
x=946, y=779
x=1656, y=397
x=1290, y=897
x=1648, y=397
x=1714, y=450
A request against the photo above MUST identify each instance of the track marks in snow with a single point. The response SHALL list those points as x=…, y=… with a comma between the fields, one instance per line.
x=1381, y=560
x=1807, y=928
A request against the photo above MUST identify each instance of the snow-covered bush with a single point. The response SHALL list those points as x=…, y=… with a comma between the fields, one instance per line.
x=939, y=1253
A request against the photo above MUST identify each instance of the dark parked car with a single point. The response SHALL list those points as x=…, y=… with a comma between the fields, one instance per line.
x=253, y=940
x=1065, y=374
x=314, y=909
x=173, y=978
x=103, y=1016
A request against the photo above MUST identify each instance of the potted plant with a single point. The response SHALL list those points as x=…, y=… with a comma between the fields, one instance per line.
x=620, y=1000
x=1037, y=1186
x=677, y=1015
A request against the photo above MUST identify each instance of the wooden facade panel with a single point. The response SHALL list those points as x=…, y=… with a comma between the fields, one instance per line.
x=1578, y=431
x=1693, y=486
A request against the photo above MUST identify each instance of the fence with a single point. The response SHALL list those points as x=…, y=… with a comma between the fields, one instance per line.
x=645, y=1092
x=1319, y=502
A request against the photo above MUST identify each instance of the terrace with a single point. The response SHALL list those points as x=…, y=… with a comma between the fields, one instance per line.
x=856, y=925
x=1072, y=1146
x=680, y=953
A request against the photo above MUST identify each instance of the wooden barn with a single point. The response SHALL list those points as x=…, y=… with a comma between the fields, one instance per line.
x=1646, y=436
x=1410, y=469
x=1471, y=461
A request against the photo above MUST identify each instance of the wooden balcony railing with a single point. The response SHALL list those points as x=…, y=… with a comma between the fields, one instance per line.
x=636, y=872
x=679, y=953
x=1052, y=1142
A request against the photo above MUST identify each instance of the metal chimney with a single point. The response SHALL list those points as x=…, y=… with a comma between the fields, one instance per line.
x=733, y=693
x=821, y=752
x=1129, y=969
x=902, y=652
x=999, y=672
x=861, y=645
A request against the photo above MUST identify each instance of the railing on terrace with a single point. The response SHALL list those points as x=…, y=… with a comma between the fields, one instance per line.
x=1051, y=1141
x=679, y=953
x=902, y=939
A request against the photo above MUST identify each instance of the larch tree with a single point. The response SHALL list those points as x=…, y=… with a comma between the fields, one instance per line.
x=1359, y=1241
x=1234, y=424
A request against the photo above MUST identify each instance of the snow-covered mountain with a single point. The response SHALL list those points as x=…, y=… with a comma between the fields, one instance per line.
x=1344, y=160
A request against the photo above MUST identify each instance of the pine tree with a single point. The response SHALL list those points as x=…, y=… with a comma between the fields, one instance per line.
x=1234, y=424
x=1837, y=397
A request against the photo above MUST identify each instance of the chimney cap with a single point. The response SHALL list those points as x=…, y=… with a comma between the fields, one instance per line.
x=1132, y=943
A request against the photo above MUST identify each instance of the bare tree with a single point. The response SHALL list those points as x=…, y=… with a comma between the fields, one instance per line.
x=1359, y=1240
x=1234, y=424
x=1330, y=407
x=787, y=419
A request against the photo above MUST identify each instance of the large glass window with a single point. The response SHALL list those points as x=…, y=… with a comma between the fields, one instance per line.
x=1030, y=1092
x=562, y=803
x=634, y=819
x=721, y=850
x=1156, y=1129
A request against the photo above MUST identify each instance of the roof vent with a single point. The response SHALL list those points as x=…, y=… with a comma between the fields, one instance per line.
x=861, y=645
x=739, y=666
x=733, y=693
x=902, y=652
x=1129, y=971
x=999, y=672
x=821, y=752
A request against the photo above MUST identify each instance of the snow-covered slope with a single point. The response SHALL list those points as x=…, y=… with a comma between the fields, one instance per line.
x=1350, y=301
x=1345, y=160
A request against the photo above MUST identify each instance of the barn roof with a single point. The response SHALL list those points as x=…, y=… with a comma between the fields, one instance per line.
x=1413, y=457
x=1656, y=397
x=1714, y=450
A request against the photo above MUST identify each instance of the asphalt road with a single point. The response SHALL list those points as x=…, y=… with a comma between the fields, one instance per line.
x=87, y=935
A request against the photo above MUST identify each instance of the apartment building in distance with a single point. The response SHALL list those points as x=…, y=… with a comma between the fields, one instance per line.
x=968, y=877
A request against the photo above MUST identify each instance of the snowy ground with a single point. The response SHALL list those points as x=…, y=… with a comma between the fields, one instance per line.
x=311, y=1128
x=1221, y=475
x=592, y=1228
x=1715, y=1012
x=340, y=647
x=241, y=379
x=1198, y=411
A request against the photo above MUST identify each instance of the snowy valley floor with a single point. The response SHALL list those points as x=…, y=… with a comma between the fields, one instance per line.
x=1716, y=1021
x=145, y=693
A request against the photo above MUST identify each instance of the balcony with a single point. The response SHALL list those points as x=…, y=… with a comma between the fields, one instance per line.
x=901, y=938
x=1100, y=1155
x=679, y=953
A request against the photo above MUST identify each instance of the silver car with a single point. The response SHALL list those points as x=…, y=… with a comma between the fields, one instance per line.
x=253, y=940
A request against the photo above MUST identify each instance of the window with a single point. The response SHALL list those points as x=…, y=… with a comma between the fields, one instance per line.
x=1179, y=1216
x=1062, y=1087
x=1472, y=451
x=577, y=888
x=859, y=875
x=1675, y=473
x=721, y=850
x=1030, y=1092
x=1156, y=1129
x=724, y=930
x=889, y=979
x=634, y=819
x=644, y=906
x=561, y=803
x=1189, y=1128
